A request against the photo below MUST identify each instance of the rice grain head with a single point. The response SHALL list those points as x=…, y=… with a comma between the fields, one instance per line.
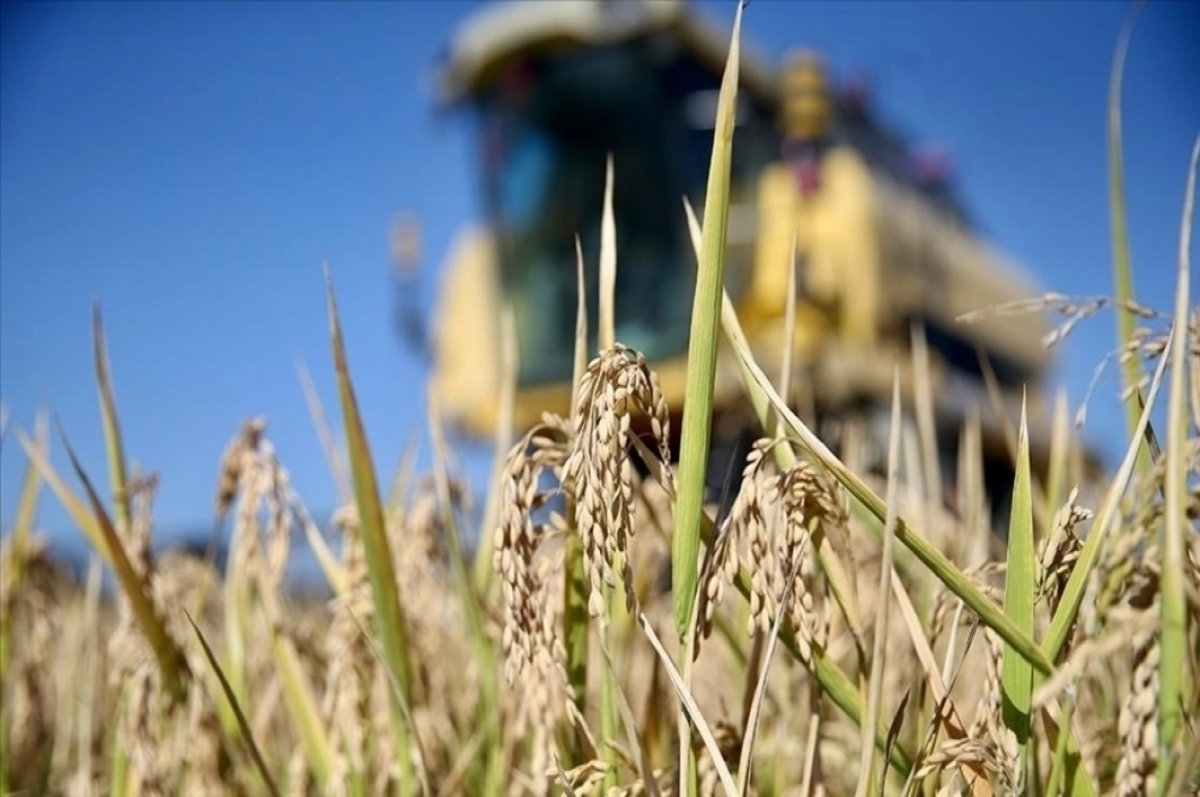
x=617, y=387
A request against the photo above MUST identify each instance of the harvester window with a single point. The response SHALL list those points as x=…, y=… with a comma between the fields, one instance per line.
x=546, y=146
x=548, y=127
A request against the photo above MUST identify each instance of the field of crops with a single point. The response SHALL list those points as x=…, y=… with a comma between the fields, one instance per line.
x=614, y=632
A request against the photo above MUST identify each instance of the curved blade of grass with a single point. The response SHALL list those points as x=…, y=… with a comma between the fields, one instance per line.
x=1131, y=370
x=170, y=658
x=405, y=710
x=303, y=708
x=243, y=724
x=76, y=509
x=22, y=531
x=1020, y=586
x=702, y=349
x=693, y=710
x=385, y=591
x=1173, y=663
x=631, y=734
x=112, y=429
x=334, y=574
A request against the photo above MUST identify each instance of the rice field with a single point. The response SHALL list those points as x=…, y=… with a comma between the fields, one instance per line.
x=834, y=632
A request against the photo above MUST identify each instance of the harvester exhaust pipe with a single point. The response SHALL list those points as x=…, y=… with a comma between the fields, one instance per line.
x=405, y=252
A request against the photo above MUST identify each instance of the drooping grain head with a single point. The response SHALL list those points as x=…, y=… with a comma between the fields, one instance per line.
x=617, y=388
x=517, y=542
x=528, y=557
x=232, y=462
x=1060, y=550
x=804, y=498
x=746, y=526
x=768, y=529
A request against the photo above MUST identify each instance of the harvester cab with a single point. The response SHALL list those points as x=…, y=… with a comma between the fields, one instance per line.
x=882, y=248
x=553, y=90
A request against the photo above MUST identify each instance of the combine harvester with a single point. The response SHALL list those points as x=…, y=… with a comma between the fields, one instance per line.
x=886, y=254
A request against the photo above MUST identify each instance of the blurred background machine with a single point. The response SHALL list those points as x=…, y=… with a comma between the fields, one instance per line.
x=884, y=248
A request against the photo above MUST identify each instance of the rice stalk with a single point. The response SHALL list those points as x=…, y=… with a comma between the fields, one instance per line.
x=303, y=708
x=831, y=563
x=590, y=501
x=468, y=599
x=112, y=428
x=389, y=615
x=835, y=683
x=866, y=766
x=691, y=709
x=1174, y=665
x=1131, y=370
x=1060, y=466
x=1019, y=590
x=575, y=589
x=171, y=662
x=754, y=712
x=247, y=735
x=702, y=352
x=923, y=379
x=243, y=480
x=631, y=732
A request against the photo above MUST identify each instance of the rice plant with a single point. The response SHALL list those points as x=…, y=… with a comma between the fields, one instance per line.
x=832, y=632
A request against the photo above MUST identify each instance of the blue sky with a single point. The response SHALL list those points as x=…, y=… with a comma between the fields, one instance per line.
x=188, y=165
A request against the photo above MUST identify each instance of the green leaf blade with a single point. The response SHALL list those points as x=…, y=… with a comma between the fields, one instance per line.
x=1019, y=590
x=702, y=351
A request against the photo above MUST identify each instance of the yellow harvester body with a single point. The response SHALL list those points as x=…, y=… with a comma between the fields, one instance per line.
x=556, y=87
